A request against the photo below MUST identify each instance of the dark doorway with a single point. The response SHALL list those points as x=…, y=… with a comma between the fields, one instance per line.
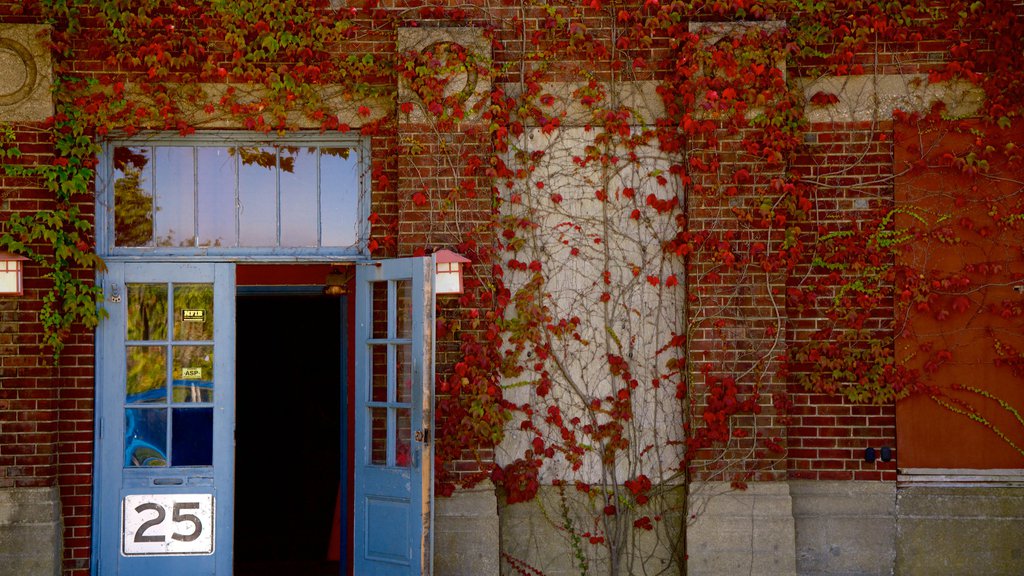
x=288, y=433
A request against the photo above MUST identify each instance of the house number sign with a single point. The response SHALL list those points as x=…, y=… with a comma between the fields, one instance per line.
x=167, y=524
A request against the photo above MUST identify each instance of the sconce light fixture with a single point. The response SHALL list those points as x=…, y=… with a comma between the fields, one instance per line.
x=448, y=278
x=12, y=272
x=336, y=282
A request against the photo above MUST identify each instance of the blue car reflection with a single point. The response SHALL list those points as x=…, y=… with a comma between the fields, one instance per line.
x=145, y=438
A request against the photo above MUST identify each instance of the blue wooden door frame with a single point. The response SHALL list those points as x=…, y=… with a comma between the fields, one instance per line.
x=393, y=489
x=113, y=479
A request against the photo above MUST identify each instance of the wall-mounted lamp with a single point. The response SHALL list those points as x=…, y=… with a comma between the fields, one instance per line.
x=12, y=272
x=336, y=283
x=448, y=279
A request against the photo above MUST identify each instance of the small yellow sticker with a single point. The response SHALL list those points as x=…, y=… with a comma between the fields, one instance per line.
x=193, y=315
x=191, y=373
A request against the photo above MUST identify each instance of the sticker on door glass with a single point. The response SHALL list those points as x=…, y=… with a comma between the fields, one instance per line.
x=167, y=524
x=192, y=373
x=192, y=315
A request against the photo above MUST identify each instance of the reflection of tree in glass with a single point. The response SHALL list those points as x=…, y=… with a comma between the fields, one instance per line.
x=267, y=157
x=147, y=312
x=190, y=387
x=193, y=297
x=146, y=371
x=133, y=206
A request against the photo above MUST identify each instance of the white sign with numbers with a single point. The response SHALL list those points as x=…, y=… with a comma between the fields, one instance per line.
x=167, y=524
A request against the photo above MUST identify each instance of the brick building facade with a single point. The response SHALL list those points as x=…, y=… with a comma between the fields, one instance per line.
x=833, y=498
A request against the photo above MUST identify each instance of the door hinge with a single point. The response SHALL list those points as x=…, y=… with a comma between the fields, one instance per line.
x=100, y=424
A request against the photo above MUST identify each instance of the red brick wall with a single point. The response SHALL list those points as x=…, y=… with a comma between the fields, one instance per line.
x=852, y=165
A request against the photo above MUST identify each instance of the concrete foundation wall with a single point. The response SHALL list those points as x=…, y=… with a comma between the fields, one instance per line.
x=844, y=528
x=960, y=530
x=30, y=532
x=466, y=533
x=805, y=528
x=741, y=531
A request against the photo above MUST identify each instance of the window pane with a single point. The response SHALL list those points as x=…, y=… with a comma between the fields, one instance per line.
x=147, y=312
x=133, y=197
x=379, y=373
x=339, y=196
x=403, y=437
x=378, y=436
x=257, y=197
x=191, y=436
x=298, y=197
x=174, y=179
x=216, y=179
x=193, y=374
x=379, y=313
x=403, y=373
x=145, y=437
x=403, y=306
x=146, y=374
x=193, y=312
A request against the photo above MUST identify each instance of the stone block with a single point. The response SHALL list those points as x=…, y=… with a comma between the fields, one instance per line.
x=26, y=73
x=30, y=532
x=953, y=530
x=466, y=533
x=539, y=535
x=741, y=531
x=844, y=528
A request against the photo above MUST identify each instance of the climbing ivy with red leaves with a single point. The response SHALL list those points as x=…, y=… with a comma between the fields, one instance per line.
x=708, y=182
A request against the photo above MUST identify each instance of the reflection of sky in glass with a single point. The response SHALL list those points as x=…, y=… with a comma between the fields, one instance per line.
x=246, y=196
x=216, y=178
x=298, y=198
x=175, y=201
x=339, y=197
x=257, y=198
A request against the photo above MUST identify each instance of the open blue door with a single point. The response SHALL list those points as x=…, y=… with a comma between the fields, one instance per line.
x=394, y=379
x=165, y=420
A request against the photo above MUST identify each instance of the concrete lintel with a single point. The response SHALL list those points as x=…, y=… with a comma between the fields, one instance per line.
x=874, y=97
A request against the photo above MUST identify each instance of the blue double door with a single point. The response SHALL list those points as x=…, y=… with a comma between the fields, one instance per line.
x=165, y=422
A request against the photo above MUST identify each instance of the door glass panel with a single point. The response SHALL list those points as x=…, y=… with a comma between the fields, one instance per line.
x=145, y=437
x=379, y=436
x=379, y=301
x=146, y=374
x=403, y=436
x=379, y=373
x=339, y=194
x=257, y=197
x=216, y=197
x=193, y=312
x=192, y=438
x=193, y=374
x=133, y=197
x=174, y=182
x=403, y=372
x=403, y=312
x=298, y=197
x=147, y=312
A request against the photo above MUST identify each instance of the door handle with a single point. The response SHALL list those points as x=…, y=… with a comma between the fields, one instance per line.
x=422, y=435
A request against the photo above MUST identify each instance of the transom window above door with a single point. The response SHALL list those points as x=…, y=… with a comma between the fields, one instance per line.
x=227, y=193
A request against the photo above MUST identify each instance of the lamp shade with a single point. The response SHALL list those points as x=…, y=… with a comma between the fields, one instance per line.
x=448, y=277
x=11, y=273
